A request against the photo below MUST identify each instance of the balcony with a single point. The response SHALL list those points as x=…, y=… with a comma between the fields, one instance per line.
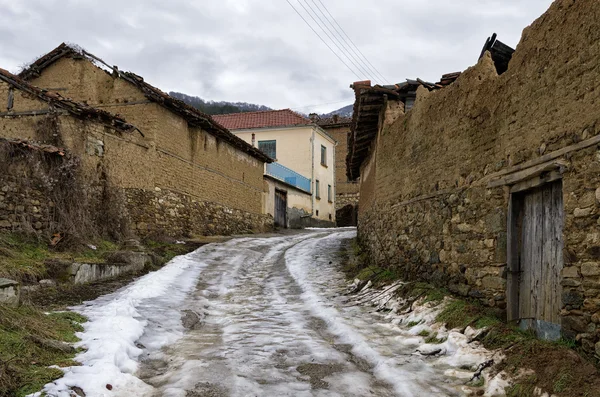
x=288, y=176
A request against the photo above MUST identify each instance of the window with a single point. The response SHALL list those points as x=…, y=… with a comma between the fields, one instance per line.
x=329, y=198
x=269, y=148
x=323, y=155
x=317, y=212
x=317, y=189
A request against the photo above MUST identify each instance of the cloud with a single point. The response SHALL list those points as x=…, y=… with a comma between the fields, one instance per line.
x=261, y=51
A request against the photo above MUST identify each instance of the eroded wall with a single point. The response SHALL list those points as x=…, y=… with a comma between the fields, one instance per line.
x=425, y=204
x=215, y=183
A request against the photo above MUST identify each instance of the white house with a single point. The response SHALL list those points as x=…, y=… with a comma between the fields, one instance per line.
x=301, y=182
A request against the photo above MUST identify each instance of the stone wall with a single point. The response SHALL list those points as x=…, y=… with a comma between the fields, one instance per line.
x=426, y=204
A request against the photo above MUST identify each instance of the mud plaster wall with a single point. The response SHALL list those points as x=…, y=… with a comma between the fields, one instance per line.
x=424, y=203
x=180, y=159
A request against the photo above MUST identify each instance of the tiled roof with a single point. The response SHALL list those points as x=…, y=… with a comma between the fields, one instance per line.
x=264, y=119
x=190, y=114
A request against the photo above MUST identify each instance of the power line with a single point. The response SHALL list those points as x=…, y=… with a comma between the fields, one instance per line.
x=328, y=36
x=363, y=66
x=324, y=42
x=355, y=46
x=344, y=50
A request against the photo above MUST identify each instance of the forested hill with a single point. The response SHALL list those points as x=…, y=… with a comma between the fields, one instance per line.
x=222, y=107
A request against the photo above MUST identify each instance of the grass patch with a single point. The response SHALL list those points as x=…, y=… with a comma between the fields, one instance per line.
x=413, y=323
x=23, y=361
x=424, y=333
x=25, y=258
x=434, y=340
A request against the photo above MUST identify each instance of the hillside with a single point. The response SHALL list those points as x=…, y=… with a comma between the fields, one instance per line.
x=218, y=107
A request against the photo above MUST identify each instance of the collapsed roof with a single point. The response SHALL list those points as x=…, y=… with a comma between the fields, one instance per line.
x=370, y=101
x=192, y=115
x=368, y=105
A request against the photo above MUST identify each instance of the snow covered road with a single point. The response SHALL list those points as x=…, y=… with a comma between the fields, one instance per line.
x=262, y=316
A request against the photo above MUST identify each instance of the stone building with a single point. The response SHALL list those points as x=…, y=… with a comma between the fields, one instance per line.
x=37, y=183
x=490, y=185
x=182, y=172
x=346, y=193
x=304, y=156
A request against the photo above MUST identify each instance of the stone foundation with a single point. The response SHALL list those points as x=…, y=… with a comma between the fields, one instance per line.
x=164, y=212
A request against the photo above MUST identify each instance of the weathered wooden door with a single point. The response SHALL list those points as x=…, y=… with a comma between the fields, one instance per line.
x=537, y=259
x=280, y=208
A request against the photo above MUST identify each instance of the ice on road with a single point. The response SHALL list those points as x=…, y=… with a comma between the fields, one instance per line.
x=262, y=316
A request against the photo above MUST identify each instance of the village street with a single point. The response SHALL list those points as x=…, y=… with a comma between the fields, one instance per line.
x=249, y=317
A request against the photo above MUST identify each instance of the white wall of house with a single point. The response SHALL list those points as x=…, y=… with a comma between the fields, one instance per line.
x=299, y=148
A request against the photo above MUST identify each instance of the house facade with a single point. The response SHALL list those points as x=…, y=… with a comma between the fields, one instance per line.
x=305, y=160
x=490, y=185
x=186, y=173
x=347, y=191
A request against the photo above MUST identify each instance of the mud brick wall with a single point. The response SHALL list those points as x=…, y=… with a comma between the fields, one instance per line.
x=425, y=205
x=171, y=156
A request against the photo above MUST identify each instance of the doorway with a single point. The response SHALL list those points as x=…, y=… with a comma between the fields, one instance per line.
x=535, y=259
x=280, y=208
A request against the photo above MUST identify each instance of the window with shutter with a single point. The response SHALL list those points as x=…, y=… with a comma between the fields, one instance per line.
x=323, y=155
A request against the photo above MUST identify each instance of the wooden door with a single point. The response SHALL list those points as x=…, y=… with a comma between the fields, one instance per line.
x=537, y=226
x=280, y=208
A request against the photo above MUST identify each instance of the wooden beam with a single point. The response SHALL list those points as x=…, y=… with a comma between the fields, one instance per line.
x=529, y=173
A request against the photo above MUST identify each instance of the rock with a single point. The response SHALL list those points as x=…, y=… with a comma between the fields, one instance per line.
x=191, y=320
x=47, y=282
x=53, y=344
x=590, y=269
x=78, y=390
x=598, y=348
x=495, y=283
x=137, y=259
x=570, y=272
x=598, y=195
x=582, y=212
x=572, y=298
x=10, y=292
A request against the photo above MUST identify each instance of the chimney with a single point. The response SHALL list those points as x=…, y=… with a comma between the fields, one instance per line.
x=336, y=117
x=314, y=117
x=253, y=139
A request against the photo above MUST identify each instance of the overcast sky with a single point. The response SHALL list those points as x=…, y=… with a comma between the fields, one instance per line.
x=261, y=51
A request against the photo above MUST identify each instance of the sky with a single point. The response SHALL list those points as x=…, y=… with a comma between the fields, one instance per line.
x=261, y=51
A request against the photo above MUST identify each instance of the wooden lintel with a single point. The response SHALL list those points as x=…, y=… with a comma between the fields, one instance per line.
x=529, y=173
x=536, y=181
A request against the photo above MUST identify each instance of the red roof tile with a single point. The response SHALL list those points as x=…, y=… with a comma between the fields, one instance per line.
x=264, y=119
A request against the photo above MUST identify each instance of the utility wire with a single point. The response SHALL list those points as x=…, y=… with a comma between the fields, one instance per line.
x=328, y=36
x=355, y=46
x=324, y=42
x=344, y=43
x=344, y=50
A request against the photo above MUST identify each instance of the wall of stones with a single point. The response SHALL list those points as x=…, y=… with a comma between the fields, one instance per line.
x=425, y=205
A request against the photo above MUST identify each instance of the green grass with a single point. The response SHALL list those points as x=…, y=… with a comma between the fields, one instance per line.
x=423, y=333
x=413, y=323
x=434, y=340
x=562, y=382
x=24, y=258
x=23, y=362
